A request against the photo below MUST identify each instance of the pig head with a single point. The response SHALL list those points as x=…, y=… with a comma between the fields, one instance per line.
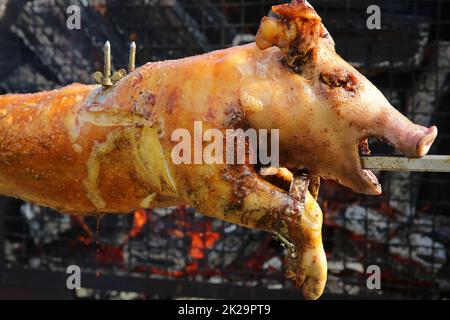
x=326, y=110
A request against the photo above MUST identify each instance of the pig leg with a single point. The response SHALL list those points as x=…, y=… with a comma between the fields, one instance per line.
x=311, y=268
x=248, y=200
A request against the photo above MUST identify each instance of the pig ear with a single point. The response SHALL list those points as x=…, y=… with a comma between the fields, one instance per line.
x=296, y=32
x=296, y=9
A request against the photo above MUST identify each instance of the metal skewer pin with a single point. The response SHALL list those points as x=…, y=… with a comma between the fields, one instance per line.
x=105, y=78
x=132, y=58
x=430, y=163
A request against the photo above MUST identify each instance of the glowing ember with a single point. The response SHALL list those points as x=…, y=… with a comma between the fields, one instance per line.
x=139, y=220
x=201, y=241
x=109, y=255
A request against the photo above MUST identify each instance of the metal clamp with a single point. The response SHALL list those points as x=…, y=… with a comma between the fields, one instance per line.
x=285, y=243
x=299, y=187
x=104, y=78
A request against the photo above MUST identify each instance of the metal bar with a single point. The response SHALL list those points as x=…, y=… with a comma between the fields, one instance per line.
x=433, y=163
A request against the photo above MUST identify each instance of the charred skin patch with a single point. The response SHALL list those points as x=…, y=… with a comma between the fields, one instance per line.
x=211, y=114
x=235, y=175
x=295, y=32
x=297, y=39
x=143, y=106
x=137, y=79
x=240, y=178
x=234, y=117
x=339, y=78
x=296, y=60
x=270, y=220
x=172, y=100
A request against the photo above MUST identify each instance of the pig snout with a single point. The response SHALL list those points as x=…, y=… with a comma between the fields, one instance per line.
x=410, y=139
x=415, y=142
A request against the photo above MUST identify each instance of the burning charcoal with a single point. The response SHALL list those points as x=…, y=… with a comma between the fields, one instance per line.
x=11, y=249
x=273, y=263
x=379, y=48
x=3, y=8
x=35, y=262
x=420, y=248
x=162, y=212
x=68, y=55
x=336, y=285
x=10, y=57
x=441, y=230
x=400, y=193
x=420, y=107
x=214, y=259
x=230, y=228
x=173, y=22
x=365, y=221
x=26, y=78
x=337, y=266
x=45, y=225
x=208, y=13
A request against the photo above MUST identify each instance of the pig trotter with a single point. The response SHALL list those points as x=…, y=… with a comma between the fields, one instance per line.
x=294, y=218
x=306, y=263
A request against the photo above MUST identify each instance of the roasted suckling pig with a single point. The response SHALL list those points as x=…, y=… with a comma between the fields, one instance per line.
x=108, y=149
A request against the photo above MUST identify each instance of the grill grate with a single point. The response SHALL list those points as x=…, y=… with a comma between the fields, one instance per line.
x=405, y=232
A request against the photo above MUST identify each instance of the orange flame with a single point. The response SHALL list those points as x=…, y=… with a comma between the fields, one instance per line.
x=201, y=241
x=139, y=220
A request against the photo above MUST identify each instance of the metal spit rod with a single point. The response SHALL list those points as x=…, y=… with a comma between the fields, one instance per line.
x=431, y=163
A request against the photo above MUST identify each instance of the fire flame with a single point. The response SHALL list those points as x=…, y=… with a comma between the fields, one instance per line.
x=139, y=220
x=201, y=241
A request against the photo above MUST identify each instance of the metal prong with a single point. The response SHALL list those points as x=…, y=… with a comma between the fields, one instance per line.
x=284, y=242
x=107, y=68
x=132, y=58
x=118, y=75
x=98, y=77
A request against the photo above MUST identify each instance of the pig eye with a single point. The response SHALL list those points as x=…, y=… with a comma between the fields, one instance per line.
x=339, y=78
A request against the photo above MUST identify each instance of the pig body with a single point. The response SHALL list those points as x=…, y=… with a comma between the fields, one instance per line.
x=106, y=142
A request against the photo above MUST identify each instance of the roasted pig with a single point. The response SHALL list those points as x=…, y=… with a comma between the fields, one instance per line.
x=93, y=149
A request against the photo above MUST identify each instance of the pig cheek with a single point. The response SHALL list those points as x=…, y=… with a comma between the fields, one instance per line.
x=320, y=156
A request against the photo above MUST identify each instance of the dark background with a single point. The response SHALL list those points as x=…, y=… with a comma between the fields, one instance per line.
x=175, y=252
